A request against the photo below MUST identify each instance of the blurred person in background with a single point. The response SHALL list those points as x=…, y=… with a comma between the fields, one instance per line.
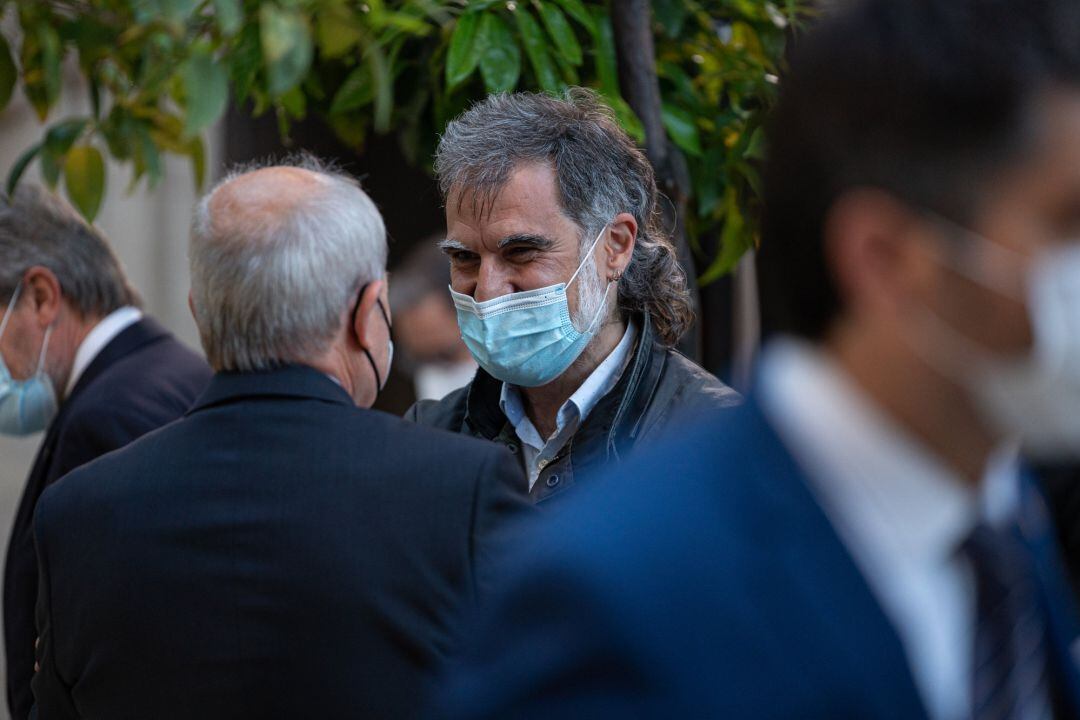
x=568, y=292
x=80, y=360
x=858, y=540
x=282, y=550
x=426, y=328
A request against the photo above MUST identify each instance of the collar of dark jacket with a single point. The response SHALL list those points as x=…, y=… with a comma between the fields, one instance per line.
x=284, y=381
x=615, y=419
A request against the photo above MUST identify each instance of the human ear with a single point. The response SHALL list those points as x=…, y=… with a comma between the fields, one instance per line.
x=619, y=245
x=367, y=315
x=41, y=288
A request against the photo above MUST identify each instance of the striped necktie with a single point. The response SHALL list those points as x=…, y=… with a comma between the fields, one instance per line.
x=1009, y=670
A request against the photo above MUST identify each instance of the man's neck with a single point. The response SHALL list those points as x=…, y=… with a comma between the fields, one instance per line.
x=542, y=403
x=929, y=406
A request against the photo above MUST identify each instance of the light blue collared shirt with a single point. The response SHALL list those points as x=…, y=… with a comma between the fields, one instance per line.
x=538, y=452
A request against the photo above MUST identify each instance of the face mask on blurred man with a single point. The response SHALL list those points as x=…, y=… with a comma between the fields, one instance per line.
x=26, y=406
x=1034, y=398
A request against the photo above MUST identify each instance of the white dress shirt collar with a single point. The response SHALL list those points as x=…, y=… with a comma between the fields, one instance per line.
x=901, y=513
x=573, y=412
x=101, y=335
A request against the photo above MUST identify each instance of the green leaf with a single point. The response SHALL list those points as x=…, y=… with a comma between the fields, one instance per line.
x=465, y=49
x=197, y=153
x=229, y=14
x=734, y=240
x=756, y=149
x=63, y=135
x=20, y=166
x=384, y=88
x=286, y=44
x=246, y=58
x=606, y=68
x=560, y=31
x=577, y=10
x=536, y=49
x=147, y=158
x=337, y=31
x=500, y=63
x=671, y=14
x=41, y=68
x=49, y=165
x=206, y=92
x=682, y=127
x=357, y=91
x=8, y=73
x=84, y=177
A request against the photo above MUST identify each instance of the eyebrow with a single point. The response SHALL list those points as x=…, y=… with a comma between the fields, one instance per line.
x=449, y=245
x=537, y=242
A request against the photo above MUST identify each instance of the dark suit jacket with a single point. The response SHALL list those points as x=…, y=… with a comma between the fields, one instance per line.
x=139, y=381
x=709, y=584
x=278, y=553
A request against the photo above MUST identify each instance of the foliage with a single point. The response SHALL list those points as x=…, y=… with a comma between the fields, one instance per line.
x=159, y=72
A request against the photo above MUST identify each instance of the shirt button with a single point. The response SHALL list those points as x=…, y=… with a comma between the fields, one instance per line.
x=512, y=447
x=552, y=480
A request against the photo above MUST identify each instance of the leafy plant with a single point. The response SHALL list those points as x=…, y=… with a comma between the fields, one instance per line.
x=159, y=72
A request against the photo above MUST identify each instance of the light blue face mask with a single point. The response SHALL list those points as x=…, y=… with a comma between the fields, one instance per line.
x=26, y=406
x=525, y=338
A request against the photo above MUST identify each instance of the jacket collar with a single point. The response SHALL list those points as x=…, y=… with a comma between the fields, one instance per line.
x=616, y=416
x=143, y=332
x=285, y=381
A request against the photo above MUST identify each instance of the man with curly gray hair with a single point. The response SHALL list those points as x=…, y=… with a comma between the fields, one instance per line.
x=568, y=291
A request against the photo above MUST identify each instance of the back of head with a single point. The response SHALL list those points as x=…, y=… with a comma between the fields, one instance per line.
x=276, y=253
x=599, y=172
x=927, y=100
x=38, y=228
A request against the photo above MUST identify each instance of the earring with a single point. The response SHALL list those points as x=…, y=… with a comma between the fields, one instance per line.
x=615, y=277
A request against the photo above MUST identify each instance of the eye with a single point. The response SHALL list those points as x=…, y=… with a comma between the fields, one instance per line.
x=462, y=258
x=520, y=253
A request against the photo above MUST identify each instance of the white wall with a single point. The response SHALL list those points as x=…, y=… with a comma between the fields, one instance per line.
x=148, y=230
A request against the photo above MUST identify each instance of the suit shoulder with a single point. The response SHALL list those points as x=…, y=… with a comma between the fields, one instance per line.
x=448, y=413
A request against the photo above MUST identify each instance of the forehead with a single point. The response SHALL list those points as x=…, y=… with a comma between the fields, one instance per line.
x=527, y=203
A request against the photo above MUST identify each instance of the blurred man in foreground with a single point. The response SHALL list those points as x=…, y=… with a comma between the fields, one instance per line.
x=568, y=292
x=861, y=544
x=281, y=551
x=80, y=360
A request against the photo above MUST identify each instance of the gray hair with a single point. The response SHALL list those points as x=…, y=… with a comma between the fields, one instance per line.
x=600, y=173
x=38, y=227
x=274, y=292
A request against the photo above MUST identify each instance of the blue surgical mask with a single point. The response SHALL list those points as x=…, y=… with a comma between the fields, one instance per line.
x=26, y=406
x=525, y=338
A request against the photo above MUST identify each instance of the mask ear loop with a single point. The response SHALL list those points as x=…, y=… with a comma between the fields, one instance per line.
x=10, y=308
x=44, y=347
x=592, y=248
x=599, y=310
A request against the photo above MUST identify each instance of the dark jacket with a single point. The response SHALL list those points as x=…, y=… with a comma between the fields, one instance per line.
x=142, y=379
x=707, y=582
x=657, y=388
x=276, y=553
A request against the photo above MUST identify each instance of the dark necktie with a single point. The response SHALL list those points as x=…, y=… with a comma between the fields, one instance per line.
x=1009, y=672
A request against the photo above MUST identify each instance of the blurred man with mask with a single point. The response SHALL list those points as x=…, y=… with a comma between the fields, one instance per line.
x=568, y=292
x=80, y=360
x=282, y=550
x=864, y=543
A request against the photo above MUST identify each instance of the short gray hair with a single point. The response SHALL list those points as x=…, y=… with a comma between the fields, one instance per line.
x=274, y=293
x=38, y=227
x=599, y=172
